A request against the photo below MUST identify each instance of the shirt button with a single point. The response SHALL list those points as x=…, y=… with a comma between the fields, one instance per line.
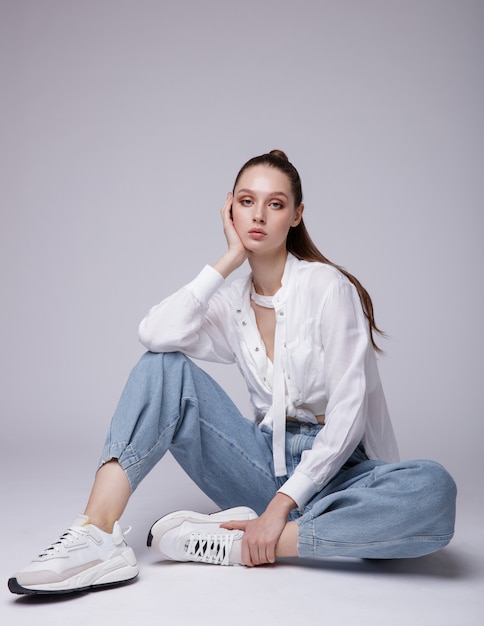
x=257, y=349
x=244, y=323
x=281, y=312
x=239, y=311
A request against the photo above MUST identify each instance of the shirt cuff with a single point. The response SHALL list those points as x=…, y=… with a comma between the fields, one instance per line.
x=206, y=284
x=300, y=488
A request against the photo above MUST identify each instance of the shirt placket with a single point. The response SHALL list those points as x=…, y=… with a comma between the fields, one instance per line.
x=276, y=416
x=251, y=339
x=278, y=408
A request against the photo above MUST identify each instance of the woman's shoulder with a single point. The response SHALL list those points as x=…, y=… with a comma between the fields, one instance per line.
x=319, y=284
x=317, y=275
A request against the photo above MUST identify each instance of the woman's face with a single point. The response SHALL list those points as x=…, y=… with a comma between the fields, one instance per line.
x=263, y=209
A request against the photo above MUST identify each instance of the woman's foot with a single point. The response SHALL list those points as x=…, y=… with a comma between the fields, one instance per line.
x=83, y=558
x=190, y=536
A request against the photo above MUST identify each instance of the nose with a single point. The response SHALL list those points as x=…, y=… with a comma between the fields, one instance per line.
x=259, y=214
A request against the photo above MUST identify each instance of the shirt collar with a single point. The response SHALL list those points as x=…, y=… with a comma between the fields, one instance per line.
x=281, y=295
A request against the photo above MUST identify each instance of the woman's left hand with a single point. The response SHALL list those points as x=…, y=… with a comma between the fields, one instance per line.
x=262, y=534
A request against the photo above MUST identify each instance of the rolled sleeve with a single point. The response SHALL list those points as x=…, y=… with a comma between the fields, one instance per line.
x=300, y=488
x=206, y=284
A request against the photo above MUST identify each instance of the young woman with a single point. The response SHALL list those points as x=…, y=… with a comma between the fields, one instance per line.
x=315, y=473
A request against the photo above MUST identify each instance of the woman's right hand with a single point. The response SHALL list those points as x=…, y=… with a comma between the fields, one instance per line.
x=233, y=240
x=236, y=253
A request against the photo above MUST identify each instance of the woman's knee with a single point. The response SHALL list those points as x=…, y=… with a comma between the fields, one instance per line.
x=425, y=490
x=437, y=480
x=159, y=361
x=437, y=494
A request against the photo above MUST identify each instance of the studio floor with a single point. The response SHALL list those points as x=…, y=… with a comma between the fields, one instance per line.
x=444, y=589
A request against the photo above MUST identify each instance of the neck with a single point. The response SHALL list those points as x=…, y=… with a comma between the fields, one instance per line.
x=267, y=272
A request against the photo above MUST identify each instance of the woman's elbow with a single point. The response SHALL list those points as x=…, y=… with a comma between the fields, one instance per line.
x=146, y=337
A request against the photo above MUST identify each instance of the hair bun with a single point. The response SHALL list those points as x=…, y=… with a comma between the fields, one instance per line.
x=280, y=154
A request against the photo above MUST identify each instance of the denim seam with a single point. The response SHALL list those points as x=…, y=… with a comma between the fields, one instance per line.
x=240, y=450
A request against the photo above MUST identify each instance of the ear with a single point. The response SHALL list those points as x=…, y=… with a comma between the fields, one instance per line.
x=297, y=215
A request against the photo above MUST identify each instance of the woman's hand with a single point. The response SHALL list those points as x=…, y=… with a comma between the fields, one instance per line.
x=262, y=535
x=236, y=253
x=233, y=240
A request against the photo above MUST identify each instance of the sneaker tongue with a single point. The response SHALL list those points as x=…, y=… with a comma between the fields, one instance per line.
x=236, y=553
x=81, y=520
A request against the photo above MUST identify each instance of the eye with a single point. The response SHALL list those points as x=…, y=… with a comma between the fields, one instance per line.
x=276, y=205
x=245, y=201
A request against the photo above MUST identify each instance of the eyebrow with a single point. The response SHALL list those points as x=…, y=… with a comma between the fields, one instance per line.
x=275, y=193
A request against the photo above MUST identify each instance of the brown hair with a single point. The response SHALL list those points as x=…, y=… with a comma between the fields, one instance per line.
x=299, y=243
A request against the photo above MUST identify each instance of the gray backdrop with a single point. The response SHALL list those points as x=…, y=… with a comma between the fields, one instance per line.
x=123, y=126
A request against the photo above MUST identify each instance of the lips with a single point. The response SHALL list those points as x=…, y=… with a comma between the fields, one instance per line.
x=257, y=233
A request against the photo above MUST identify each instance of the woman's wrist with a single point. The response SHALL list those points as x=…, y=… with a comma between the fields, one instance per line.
x=229, y=262
x=281, y=503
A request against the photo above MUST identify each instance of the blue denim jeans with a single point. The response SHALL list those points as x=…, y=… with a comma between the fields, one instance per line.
x=370, y=509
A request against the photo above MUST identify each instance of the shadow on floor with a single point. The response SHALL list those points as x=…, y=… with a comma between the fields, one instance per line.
x=446, y=563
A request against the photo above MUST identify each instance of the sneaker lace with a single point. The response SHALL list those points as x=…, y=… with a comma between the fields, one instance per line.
x=210, y=548
x=67, y=539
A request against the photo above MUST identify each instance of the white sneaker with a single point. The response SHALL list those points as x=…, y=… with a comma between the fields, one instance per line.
x=84, y=557
x=190, y=536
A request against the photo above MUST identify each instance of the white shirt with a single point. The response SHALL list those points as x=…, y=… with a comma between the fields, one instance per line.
x=328, y=363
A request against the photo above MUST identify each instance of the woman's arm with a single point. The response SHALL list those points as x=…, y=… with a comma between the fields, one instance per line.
x=192, y=319
x=350, y=375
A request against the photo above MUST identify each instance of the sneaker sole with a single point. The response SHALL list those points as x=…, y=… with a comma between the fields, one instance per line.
x=174, y=519
x=102, y=575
